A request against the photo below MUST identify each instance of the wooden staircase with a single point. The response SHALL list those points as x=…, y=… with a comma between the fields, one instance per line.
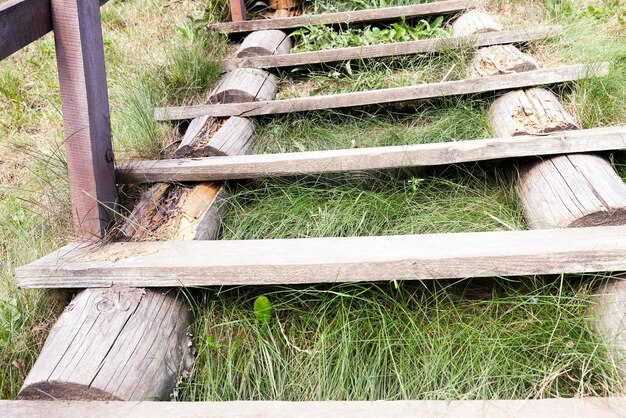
x=101, y=337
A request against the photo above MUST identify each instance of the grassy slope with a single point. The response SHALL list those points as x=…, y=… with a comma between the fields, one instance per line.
x=520, y=338
x=514, y=339
x=34, y=201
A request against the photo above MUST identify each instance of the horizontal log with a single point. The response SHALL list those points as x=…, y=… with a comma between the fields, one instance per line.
x=352, y=17
x=330, y=260
x=23, y=22
x=391, y=95
x=392, y=50
x=526, y=408
x=357, y=159
x=114, y=344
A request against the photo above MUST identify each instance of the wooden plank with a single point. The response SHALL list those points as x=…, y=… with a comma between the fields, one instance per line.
x=23, y=22
x=330, y=260
x=86, y=119
x=298, y=163
x=352, y=17
x=394, y=49
x=392, y=95
x=533, y=408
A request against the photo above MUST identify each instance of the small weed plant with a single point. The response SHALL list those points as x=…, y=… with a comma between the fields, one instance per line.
x=315, y=38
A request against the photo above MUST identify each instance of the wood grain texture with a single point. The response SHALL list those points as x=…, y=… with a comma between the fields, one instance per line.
x=297, y=163
x=23, y=22
x=244, y=85
x=86, y=120
x=385, y=96
x=238, y=11
x=610, y=320
x=543, y=408
x=353, y=17
x=113, y=344
x=329, y=260
x=570, y=191
x=264, y=42
x=561, y=191
x=473, y=22
x=392, y=50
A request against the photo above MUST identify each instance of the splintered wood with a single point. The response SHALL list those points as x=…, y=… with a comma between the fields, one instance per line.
x=529, y=112
x=208, y=136
x=171, y=211
x=501, y=59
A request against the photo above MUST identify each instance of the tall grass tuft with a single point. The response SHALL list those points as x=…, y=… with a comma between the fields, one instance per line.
x=494, y=339
x=455, y=199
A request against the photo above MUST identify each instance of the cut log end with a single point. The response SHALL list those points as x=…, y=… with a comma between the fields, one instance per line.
x=245, y=85
x=501, y=59
x=572, y=191
x=50, y=391
x=206, y=137
x=474, y=22
x=265, y=42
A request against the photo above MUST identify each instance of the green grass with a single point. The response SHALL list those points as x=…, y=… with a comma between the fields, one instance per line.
x=454, y=199
x=315, y=38
x=329, y=6
x=148, y=61
x=447, y=120
x=360, y=75
x=492, y=339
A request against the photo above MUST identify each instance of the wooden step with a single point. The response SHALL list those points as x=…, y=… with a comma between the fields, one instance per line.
x=358, y=159
x=392, y=49
x=344, y=18
x=391, y=95
x=536, y=408
x=329, y=260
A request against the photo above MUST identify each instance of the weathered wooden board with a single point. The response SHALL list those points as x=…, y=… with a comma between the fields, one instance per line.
x=358, y=16
x=392, y=95
x=296, y=163
x=329, y=260
x=535, y=408
x=392, y=50
x=23, y=22
x=86, y=119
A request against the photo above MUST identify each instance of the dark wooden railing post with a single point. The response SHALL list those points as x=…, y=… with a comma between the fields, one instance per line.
x=238, y=10
x=85, y=104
